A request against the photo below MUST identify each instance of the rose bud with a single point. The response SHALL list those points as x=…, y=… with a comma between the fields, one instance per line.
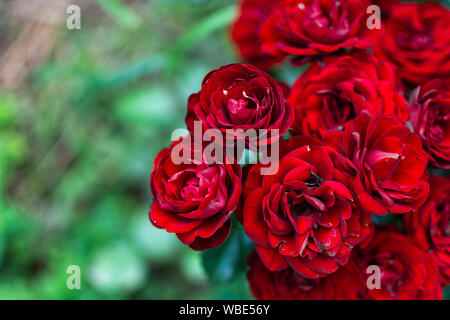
x=241, y=97
x=429, y=228
x=245, y=32
x=398, y=269
x=430, y=117
x=308, y=28
x=416, y=41
x=287, y=284
x=304, y=216
x=389, y=161
x=194, y=200
x=331, y=93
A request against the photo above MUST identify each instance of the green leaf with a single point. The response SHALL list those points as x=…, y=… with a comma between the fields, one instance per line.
x=225, y=263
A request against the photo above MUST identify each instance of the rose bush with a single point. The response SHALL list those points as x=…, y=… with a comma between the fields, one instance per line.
x=354, y=151
x=304, y=216
x=194, y=200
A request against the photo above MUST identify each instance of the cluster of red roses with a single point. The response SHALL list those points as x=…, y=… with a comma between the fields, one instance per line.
x=357, y=149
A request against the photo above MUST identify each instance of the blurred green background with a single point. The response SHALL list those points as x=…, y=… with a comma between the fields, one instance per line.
x=82, y=115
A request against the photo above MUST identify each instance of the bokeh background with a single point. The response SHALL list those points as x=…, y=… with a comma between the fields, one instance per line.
x=82, y=115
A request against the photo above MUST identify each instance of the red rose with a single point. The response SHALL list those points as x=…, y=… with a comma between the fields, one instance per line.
x=389, y=160
x=429, y=228
x=430, y=117
x=240, y=96
x=287, y=284
x=416, y=41
x=331, y=93
x=304, y=216
x=314, y=27
x=406, y=273
x=245, y=32
x=196, y=200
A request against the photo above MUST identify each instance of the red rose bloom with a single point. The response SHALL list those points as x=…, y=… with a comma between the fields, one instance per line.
x=240, y=96
x=314, y=27
x=389, y=160
x=245, y=32
x=430, y=117
x=196, y=200
x=331, y=93
x=287, y=284
x=304, y=216
x=416, y=41
x=429, y=228
x=406, y=273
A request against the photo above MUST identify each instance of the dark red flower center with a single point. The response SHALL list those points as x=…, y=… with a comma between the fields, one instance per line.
x=244, y=103
x=337, y=111
x=413, y=40
x=314, y=181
